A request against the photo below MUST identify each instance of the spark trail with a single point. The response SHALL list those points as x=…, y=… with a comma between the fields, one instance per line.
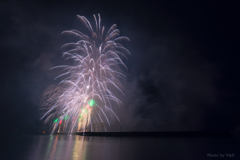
x=86, y=94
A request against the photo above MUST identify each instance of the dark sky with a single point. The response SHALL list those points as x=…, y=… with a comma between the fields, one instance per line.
x=183, y=73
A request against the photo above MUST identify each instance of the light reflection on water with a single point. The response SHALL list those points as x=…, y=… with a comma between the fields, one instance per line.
x=59, y=147
x=65, y=147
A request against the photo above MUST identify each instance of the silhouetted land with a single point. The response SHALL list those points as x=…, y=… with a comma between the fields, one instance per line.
x=161, y=134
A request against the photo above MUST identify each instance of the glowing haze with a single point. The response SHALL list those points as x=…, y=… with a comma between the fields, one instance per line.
x=87, y=93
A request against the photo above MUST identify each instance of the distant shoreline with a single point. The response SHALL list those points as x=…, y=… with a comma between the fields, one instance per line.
x=160, y=134
x=143, y=134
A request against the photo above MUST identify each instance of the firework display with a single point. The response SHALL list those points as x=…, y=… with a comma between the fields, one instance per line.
x=87, y=93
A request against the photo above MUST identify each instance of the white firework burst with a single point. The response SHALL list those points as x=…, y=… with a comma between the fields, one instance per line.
x=87, y=92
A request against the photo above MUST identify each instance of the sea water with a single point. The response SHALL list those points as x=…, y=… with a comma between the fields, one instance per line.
x=75, y=147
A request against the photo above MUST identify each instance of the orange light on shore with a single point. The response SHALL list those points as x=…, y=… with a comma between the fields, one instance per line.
x=43, y=132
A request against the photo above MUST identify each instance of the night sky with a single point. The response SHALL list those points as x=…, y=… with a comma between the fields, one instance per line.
x=183, y=73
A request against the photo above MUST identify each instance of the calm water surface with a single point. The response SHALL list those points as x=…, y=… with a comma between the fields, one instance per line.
x=64, y=147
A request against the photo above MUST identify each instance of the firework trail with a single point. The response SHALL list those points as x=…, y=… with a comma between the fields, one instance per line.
x=86, y=93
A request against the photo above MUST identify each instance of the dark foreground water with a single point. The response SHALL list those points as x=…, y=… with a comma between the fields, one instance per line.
x=64, y=147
